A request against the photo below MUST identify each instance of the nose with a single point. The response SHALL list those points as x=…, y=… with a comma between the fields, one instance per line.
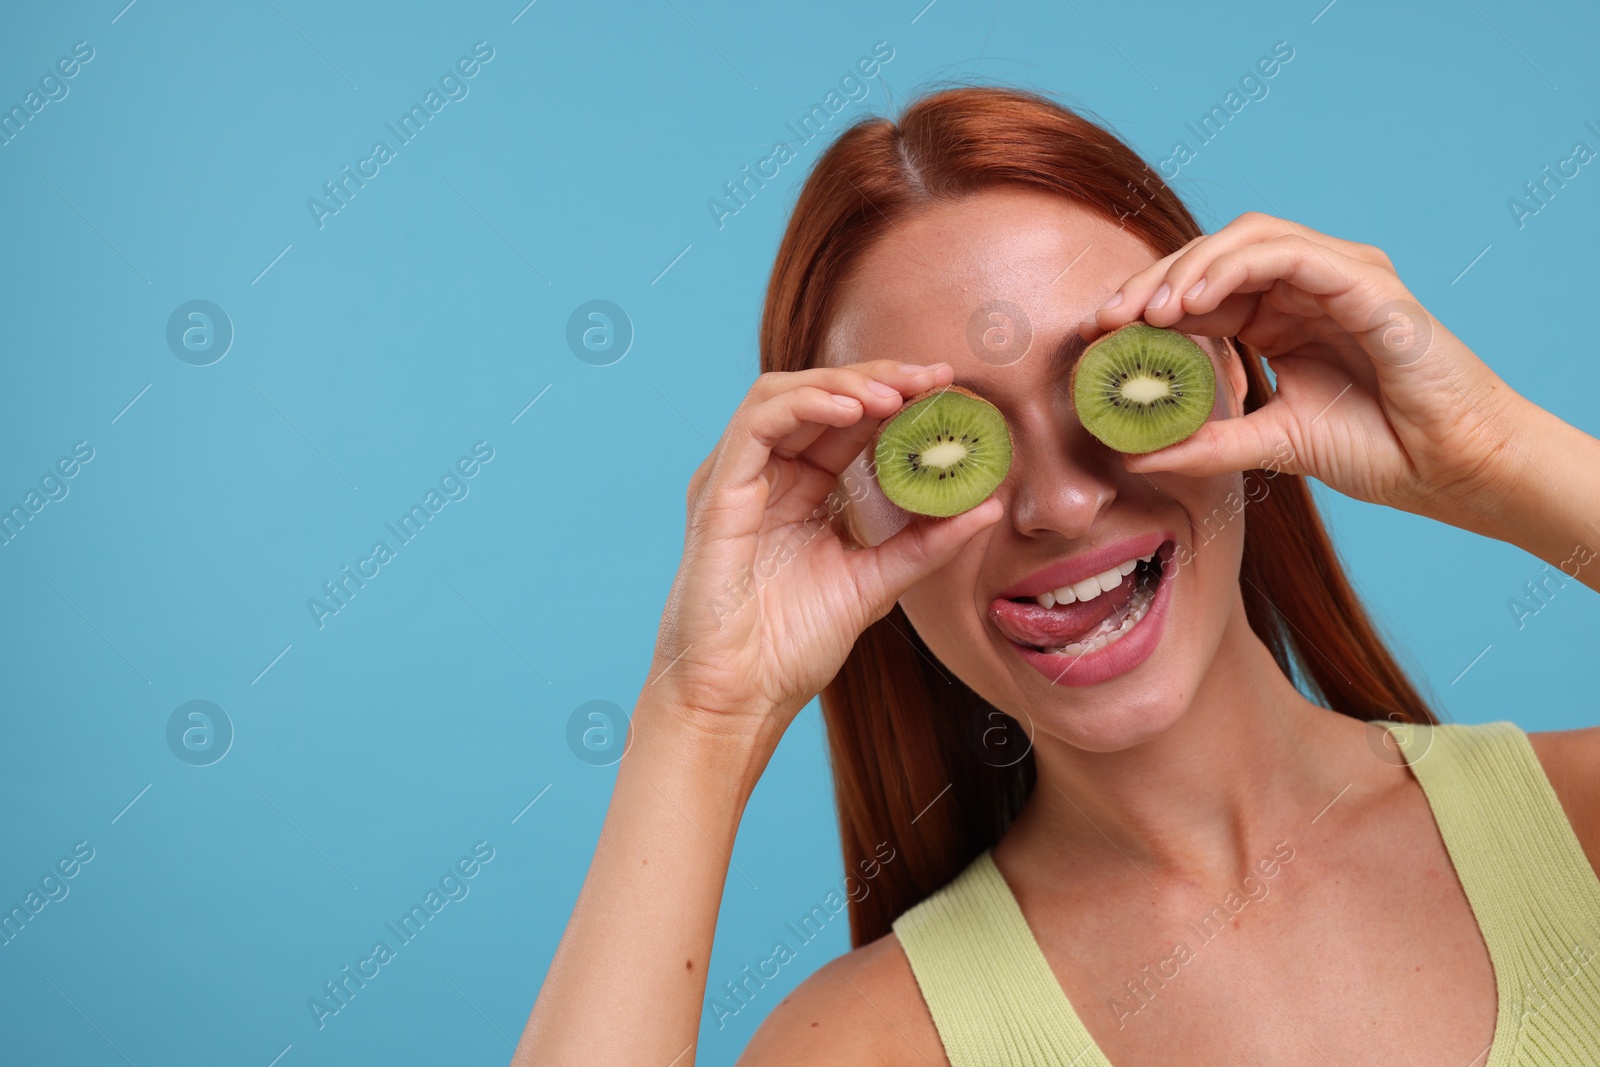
x=1064, y=481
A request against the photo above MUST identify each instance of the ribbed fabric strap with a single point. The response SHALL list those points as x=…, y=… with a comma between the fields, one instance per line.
x=996, y=1002
x=1531, y=887
x=989, y=989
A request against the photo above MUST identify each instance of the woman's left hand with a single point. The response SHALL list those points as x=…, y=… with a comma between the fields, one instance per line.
x=1374, y=396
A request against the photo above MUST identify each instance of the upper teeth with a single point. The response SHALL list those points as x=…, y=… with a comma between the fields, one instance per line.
x=1091, y=587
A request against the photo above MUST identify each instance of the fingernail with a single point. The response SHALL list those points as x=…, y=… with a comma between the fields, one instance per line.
x=912, y=368
x=845, y=401
x=1114, y=301
x=1195, y=289
x=883, y=390
x=1161, y=296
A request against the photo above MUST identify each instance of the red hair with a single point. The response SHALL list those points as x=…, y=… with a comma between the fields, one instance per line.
x=898, y=726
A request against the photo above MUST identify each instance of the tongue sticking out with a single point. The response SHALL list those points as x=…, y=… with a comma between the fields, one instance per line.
x=1039, y=627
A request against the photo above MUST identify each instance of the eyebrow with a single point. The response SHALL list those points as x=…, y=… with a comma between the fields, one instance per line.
x=1065, y=354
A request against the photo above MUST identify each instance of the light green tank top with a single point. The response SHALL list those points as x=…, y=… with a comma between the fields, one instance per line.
x=996, y=1002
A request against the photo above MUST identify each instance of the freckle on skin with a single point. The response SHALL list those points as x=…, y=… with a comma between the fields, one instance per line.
x=688, y=965
x=813, y=1024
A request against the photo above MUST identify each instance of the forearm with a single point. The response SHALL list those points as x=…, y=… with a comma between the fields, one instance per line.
x=628, y=979
x=1552, y=505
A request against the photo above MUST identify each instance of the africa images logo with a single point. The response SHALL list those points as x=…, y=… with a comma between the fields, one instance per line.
x=452, y=87
x=452, y=887
x=342, y=589
x=852, y=88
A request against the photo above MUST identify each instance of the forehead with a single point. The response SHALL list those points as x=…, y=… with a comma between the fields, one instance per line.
x=948, y=282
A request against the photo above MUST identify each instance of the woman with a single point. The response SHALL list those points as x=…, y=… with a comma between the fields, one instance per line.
x=1232, y=834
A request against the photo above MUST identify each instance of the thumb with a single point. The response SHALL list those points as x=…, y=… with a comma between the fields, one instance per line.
x=886, y=572
x=1222, y=446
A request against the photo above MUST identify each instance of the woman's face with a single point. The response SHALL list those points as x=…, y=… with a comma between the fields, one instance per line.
x=966, y=283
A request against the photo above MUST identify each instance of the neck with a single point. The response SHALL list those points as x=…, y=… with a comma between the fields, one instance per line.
x=1208, y=796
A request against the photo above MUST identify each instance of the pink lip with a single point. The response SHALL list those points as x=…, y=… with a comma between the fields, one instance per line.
x=1074, y=570
x=1117, y=658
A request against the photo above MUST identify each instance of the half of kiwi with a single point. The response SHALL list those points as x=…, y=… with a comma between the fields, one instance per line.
x=943, y=453
x=1141, y=387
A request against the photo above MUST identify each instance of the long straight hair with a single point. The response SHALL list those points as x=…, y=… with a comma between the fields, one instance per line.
x=900, y=727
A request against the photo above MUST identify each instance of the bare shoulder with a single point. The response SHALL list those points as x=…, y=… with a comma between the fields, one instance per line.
x=862, y=1008
x=1571, y=760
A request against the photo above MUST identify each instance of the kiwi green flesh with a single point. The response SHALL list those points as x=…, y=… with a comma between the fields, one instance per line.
x=944, y=454
x=1142, y=388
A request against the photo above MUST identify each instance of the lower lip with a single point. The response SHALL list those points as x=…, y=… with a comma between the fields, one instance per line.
x=1117, y=658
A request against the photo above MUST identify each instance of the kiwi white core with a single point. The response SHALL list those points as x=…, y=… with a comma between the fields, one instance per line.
x=944, y=455
x=1145, y=389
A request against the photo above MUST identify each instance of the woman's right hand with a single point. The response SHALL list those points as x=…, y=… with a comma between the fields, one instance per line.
x=769, y=600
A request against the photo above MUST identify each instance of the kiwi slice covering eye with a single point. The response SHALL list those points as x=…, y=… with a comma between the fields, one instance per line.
x=943, y=453
x=1141, y=387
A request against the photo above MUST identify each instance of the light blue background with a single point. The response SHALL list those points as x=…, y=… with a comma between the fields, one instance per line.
x=431, y=310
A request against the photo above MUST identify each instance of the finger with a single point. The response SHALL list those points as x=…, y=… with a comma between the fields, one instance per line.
x=733, y=503
x=798, y=491
x=1259, y=224
x=1279, y=322
x=835, y=449
x=1272, y=321
x=1282, y=432
x=752, y=432
x=749, y=439
x=1129, y=301
x=1254, y=227
x=1311, y=302
x=850, y=378
x=883, y=574
x=1226, y=320
x=1223, y=446
x=746, y=453
x=1151, y=287
x=881, y=398
x=1261, y=321
x=1311, y=268
x=796, y=443
x=1179, y=271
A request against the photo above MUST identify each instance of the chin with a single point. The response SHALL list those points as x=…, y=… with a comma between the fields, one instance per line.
x=1148, y=683
x=1113, y=723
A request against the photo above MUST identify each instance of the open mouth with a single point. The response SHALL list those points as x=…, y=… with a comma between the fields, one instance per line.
x=1090, y=615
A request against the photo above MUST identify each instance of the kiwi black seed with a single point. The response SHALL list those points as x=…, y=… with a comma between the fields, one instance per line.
x=943, y=453
x=1141, y=387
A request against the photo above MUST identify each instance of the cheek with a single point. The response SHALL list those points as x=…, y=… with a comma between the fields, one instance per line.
x=940, y=611
x=873, y=517
x=1218, y=516
x=1229, y=400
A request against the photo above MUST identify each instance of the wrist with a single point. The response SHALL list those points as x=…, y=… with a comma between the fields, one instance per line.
x=705, y=754
x=1547, y=501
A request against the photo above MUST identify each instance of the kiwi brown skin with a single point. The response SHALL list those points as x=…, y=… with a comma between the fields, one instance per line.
x=872, y=446
x=925, y=394
x=1072, y=379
